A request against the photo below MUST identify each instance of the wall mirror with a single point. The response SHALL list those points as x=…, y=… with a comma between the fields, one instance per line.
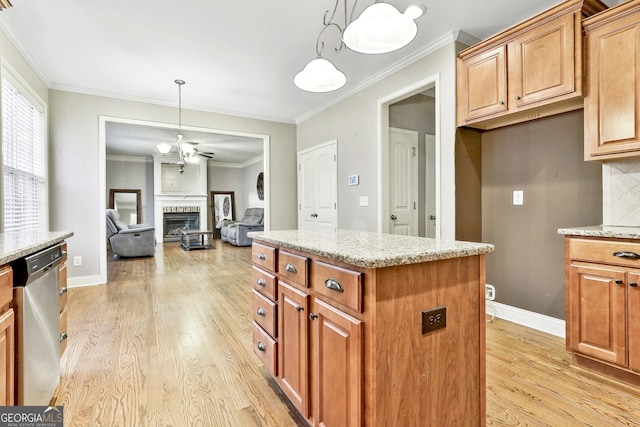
x=128, y=204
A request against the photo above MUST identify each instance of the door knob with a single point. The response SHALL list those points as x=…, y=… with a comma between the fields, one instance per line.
x=394, y=217
x=432, y=217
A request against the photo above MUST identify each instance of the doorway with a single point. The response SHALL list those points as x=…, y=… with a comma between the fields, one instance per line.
x=414, y=108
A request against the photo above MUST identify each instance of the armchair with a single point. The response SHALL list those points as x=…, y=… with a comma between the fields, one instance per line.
x=129, y=241
x=235, y=232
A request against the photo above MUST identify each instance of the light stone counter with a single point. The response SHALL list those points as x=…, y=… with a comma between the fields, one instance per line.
x=370, y=250
x=610, y=231
x=19, y=245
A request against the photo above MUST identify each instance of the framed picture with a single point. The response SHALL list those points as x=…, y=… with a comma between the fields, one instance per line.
x=222, y=207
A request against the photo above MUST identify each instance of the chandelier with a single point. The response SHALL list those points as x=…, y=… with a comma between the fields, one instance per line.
x=380, y=28
x=185, y=151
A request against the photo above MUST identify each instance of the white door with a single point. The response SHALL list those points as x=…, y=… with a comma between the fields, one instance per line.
x=317, y=188
x=430, y=174
x=403, y=181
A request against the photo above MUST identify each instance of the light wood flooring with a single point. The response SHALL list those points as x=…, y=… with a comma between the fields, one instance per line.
x=168, y=343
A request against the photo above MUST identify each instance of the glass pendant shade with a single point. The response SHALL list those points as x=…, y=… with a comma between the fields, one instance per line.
x=164, y=148
x=381, y=28
x=320, y=75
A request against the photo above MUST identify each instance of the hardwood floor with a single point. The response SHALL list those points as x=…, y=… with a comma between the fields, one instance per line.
x=168, y=343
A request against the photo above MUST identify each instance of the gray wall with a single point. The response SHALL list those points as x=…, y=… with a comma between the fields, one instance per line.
x=250, y=174
x=225, y=178
x=75, y=165
x=417, y=113
x=545, y=159
x=354, y=123
x=133, y=174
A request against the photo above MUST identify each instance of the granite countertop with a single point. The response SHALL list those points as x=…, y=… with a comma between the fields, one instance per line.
x=373, y=250
x=18, y=245
x=611, y=231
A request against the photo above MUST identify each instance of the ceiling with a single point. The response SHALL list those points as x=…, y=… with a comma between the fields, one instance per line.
x=237, y=57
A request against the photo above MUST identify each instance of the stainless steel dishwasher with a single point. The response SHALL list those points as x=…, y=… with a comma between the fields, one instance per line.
x=37, y=304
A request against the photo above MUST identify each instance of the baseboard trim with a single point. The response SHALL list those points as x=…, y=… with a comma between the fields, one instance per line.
x=530, y=319
x=82, y=281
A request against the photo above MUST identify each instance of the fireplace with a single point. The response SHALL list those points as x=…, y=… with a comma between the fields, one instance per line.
x=176, y=219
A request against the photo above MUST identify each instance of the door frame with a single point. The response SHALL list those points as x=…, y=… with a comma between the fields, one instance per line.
x=383, y=104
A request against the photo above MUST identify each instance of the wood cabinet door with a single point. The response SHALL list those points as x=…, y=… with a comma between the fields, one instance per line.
x=541, y=63
x=293, y=345
x=482, y=85
x=612, y=102
x=634, y=319
x=598, y=311
x=337, y=356
x=7, y=358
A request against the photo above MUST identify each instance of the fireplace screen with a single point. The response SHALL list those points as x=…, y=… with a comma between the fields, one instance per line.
x=175, y=222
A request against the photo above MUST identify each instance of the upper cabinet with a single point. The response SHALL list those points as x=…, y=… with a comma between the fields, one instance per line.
x=531, y=70
x=612, y=102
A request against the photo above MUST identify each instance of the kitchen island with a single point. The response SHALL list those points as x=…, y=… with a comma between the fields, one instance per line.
x=372, y=329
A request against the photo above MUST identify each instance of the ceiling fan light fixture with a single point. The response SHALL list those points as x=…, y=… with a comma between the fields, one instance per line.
x=381, y=28
x=320, y=75
x=415, y=11
x=164, y=148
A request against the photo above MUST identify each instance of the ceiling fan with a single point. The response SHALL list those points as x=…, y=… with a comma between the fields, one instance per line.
x=207, y=154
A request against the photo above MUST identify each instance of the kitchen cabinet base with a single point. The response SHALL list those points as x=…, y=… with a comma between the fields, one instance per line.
x=610, y=371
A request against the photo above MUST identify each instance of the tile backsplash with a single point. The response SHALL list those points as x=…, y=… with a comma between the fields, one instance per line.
x=621, y=192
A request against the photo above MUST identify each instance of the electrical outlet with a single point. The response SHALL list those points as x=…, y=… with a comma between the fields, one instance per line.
x=518, y=197
x=434, y=319
x=364, y=200
x=77, y=261
x=489, y=292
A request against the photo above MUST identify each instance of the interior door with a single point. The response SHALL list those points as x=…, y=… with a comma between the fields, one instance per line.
x=403, y=182
x=430, y=185
x=317, y=188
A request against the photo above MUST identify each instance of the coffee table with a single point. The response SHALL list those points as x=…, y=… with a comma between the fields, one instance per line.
x=196, y=239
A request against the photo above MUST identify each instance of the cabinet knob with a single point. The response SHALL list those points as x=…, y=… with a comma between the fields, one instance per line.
x=312, y=316
x=261, y=256
x=260, y=311
x=261, y=282
x=63, y=291
x=633, y=284
x=290, y=268
x=63, y=336
x=300, y=308
x=261, y=346
x=501, y=102
x=619, y=282
x=517, y=97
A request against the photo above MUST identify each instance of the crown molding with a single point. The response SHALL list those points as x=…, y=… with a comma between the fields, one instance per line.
x=438, y=43
x=22, y=50
x=242, y=165
x=130, y=159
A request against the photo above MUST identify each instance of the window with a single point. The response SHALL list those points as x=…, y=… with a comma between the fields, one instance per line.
x=24, y=171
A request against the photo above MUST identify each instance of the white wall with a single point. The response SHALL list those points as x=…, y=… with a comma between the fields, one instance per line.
x=76, y=166
x=227, y=178
x=354, y=123
x=250, y=173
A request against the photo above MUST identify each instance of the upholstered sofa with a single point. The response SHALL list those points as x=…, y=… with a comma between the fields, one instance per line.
x=235, y=232
x=129, y=240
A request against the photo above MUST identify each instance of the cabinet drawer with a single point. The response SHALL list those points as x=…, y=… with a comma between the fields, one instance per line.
x=63, y=331
x=264, y=256
x=265, y=283
x=6, y=285
x=63, y=286
x=265, y=348
x=338, y=284
x=293, y=268
x=265, y=314
x=599, y=251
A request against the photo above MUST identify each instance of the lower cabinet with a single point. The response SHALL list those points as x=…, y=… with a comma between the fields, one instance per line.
x=603, y=306
x=7, y=352
x=62, y=283
x=350, y=348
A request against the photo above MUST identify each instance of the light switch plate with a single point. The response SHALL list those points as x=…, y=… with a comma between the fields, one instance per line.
x=364, y=200
x=518, y=197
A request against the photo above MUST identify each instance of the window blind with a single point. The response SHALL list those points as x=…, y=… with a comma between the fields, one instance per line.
x=23, y=154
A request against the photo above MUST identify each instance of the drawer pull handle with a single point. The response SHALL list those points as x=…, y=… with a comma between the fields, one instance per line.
x=291, y=268
x=261, y=256
x=633, y=284
x=63, y=291
x=261, y=346
x=334, y=285
x=63, y=336
x=260, y=311
x=261, y=282
x=625, y=254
